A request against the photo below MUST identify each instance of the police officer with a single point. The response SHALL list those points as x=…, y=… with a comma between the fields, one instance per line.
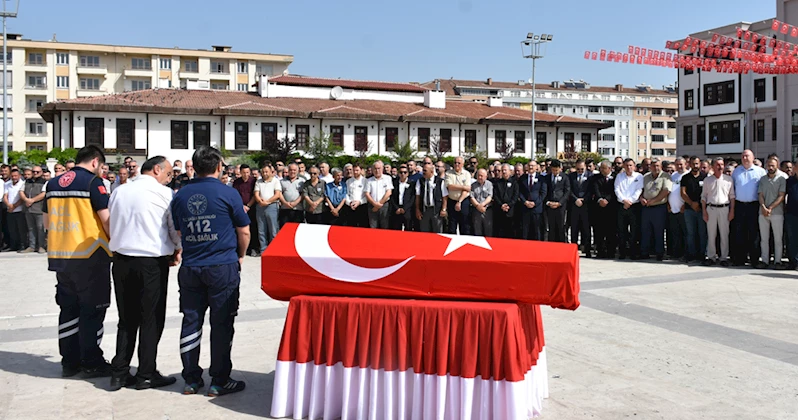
x=77, y=208
x=215, y=237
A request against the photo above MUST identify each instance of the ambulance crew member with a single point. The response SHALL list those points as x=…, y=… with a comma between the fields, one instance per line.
x=215, y=235
x=77, y=207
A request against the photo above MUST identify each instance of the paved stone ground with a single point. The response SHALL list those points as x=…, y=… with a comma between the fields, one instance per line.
x=651, y=341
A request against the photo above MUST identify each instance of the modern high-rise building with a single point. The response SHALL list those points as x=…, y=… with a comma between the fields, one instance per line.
x=46, y=71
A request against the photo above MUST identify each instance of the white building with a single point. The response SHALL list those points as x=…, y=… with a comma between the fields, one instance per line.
x=362, y=117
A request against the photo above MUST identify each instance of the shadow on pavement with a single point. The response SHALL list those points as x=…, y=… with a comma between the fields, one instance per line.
x=776, y=275
x=29, y=364
x=256, y=400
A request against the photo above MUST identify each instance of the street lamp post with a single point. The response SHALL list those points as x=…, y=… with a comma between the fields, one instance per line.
x=530, y=48
x=6, y=14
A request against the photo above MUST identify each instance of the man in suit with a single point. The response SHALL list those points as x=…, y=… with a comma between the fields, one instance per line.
x=559, y=194
x=431, y=201
x=545, y=178
x=505, y=194
x=532, y=194
x=402, y=201
x=604, y=210
x=580, y=197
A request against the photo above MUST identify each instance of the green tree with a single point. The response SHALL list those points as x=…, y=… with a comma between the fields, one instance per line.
x=402, y=151
x=321, y=148
x=281, y=149
x=63, y=155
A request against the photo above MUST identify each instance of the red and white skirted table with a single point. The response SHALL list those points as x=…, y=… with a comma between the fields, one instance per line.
x=364, y=358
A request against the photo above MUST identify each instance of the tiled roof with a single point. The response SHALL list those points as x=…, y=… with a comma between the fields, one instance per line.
x=209, y=102
x=293, y=80
x=449, y=86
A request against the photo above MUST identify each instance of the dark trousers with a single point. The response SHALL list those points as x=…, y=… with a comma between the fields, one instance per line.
x=254, y=242
x=629, y=230
x=140, y=285
x=18, y=230
x=4, y=235
x=339, y=220
x=461, y=219
x=216, y=287
x=677, y=232
x=83, y=298
x=35, y=230
x=696, y=238
x=653, y=229
x=379, y=219
x=530, y=225
x=605, y=225
x=503, y=225
x=290, y=216
x=791, y=221
x=431, y=221
x=556, y=218
x=482, y=223
x=746, y=233
x=580, y=224
x=358, y=217
x=314, y=219
x=402, y=221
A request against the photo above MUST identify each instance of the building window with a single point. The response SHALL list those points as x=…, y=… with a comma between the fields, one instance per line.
x=165, y=64
x=687, y=137
x=569, y=143
x=35, y=128
x=89, y=61
x=657, y=152
x=36, y=146
x=268, y=135
x=89, y=84
x=202, y=133
x=719, y=93
x=337, y=135
x=671, y=125
x=540, y=143
x=657, y=111
x=657, y=125
x=609, y=110
x=520, y=141
x=501, y=139
x=670, y=112
x=242, y=67
x=759, y=90
x=585, y=144
x=218, y=67
x=795, y=126
x=302, y=133
x=702, y=134
x=62, y=59
x=608, y=137
x=759, y=130
x=266, y=69
x=125, y=133
x=141, y=64
x=95, y=132
x=724, y=132
x=33, y=103
x=35, y=59
x=391, y=137
x=471, y=140
x=607, y=151
x=242, y=87
x=542, y=107
x=37, y=81
x=774, y=128
x=657, y=138
x=688, y=99
x=191, y=66
x=361, y=139
x=140, y=84
x=242, y=136
x=423, y=139
x=179, y=134
x=775, y=96
x=593, y=109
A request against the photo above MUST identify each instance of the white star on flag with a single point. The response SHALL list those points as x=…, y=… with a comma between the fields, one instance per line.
x=457, y=241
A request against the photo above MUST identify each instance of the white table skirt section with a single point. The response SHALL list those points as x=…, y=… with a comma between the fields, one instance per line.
x=306, y=390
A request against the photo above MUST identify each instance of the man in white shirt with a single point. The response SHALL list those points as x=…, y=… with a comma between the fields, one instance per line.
x=145, y=244
x=677, y=228
x=628, y=187
x=267, y=197
x=325, y=174
x=17, y=228
x=356, y=198
x=378, y=192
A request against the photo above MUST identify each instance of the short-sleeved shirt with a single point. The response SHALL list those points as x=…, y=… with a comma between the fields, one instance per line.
x=13, y=193
x=693, y=185
x=245, y=188
x=356, y=190
x=377, y=187
x=314, y=192
x=291, y=191
x=206, y=212
x=653, y=186
x=792, y=195
x=675, y=196
x=335, y=192
x=746, y=183
x=718, y=191
x=266, y=189
x=462, y=179
x=770, y=189
x=481, y=192
x=32, y=188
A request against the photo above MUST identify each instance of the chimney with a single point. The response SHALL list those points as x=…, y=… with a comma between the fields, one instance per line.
x=619, y=87
x=490, y=81
x=495, y=102
x=437, y=84
x=555, y=84
x=435, y=99
x=263, y=86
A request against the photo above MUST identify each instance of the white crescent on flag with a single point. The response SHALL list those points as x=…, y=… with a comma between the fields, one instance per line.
x=313, y=246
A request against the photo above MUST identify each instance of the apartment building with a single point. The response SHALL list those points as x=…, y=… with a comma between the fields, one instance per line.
x=45, y=71
x=617, y=106
x=653, y=130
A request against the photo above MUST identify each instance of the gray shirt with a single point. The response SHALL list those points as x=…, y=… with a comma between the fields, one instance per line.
x=291, y=191
x=771, y=188
x=481, y=192
x=314, y=193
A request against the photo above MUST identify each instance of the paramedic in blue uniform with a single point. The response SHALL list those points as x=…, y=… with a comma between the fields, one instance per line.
x=77, y=218
x=215, y=234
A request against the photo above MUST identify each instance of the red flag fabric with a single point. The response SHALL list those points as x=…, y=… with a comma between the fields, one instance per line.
x=307, y=259
x=587, y=55
x=794, y=32
x=785, y=28
x=594, y=56
x=775, y=25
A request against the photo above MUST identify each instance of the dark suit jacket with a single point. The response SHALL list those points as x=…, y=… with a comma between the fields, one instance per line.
x=536, y=194
x=603, y=188
x=560, y=191
x=504, y=194
x=580, y=191
x=408, y=200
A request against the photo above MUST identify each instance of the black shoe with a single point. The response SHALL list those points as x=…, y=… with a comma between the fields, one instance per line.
x=622, y=256
x=101, y=371
x=724, y=263
x=660, y=257
x=230, y=387
x=254, y=253
x=193, y=387
x=69, y=371
x=760, y=266
x=156, y=381
x=122, y=382
x=638, y=257
x=709, y=262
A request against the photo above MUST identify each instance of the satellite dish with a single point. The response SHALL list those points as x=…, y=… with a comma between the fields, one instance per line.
x=336, y=92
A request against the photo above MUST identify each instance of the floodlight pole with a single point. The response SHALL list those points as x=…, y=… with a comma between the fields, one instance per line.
x=533, y=42
x=5, y=14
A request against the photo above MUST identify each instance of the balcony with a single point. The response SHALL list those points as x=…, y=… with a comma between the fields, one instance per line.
x=138, y=72
x=98, y=70
x=188, y=74
x=29, y=134
x=220, y=75
x=36, y=87
x=34, y=64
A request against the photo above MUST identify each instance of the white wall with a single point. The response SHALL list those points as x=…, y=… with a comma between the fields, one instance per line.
x=109, y=121
x=285, y=91
x=689, y=82
x=161, y=135
x=715, y=149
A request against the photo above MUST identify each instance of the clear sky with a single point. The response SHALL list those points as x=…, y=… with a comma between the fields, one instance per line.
x=408, y=40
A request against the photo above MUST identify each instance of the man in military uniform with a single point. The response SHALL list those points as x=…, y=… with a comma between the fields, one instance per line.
x=77, y=208
x=215, y=234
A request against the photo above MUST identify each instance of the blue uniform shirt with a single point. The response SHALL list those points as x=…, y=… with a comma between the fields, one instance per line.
x=746, y=183
x=336, y=193
x=206, y=212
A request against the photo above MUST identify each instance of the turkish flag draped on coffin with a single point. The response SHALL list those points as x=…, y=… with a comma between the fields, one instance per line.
x=322, y=260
